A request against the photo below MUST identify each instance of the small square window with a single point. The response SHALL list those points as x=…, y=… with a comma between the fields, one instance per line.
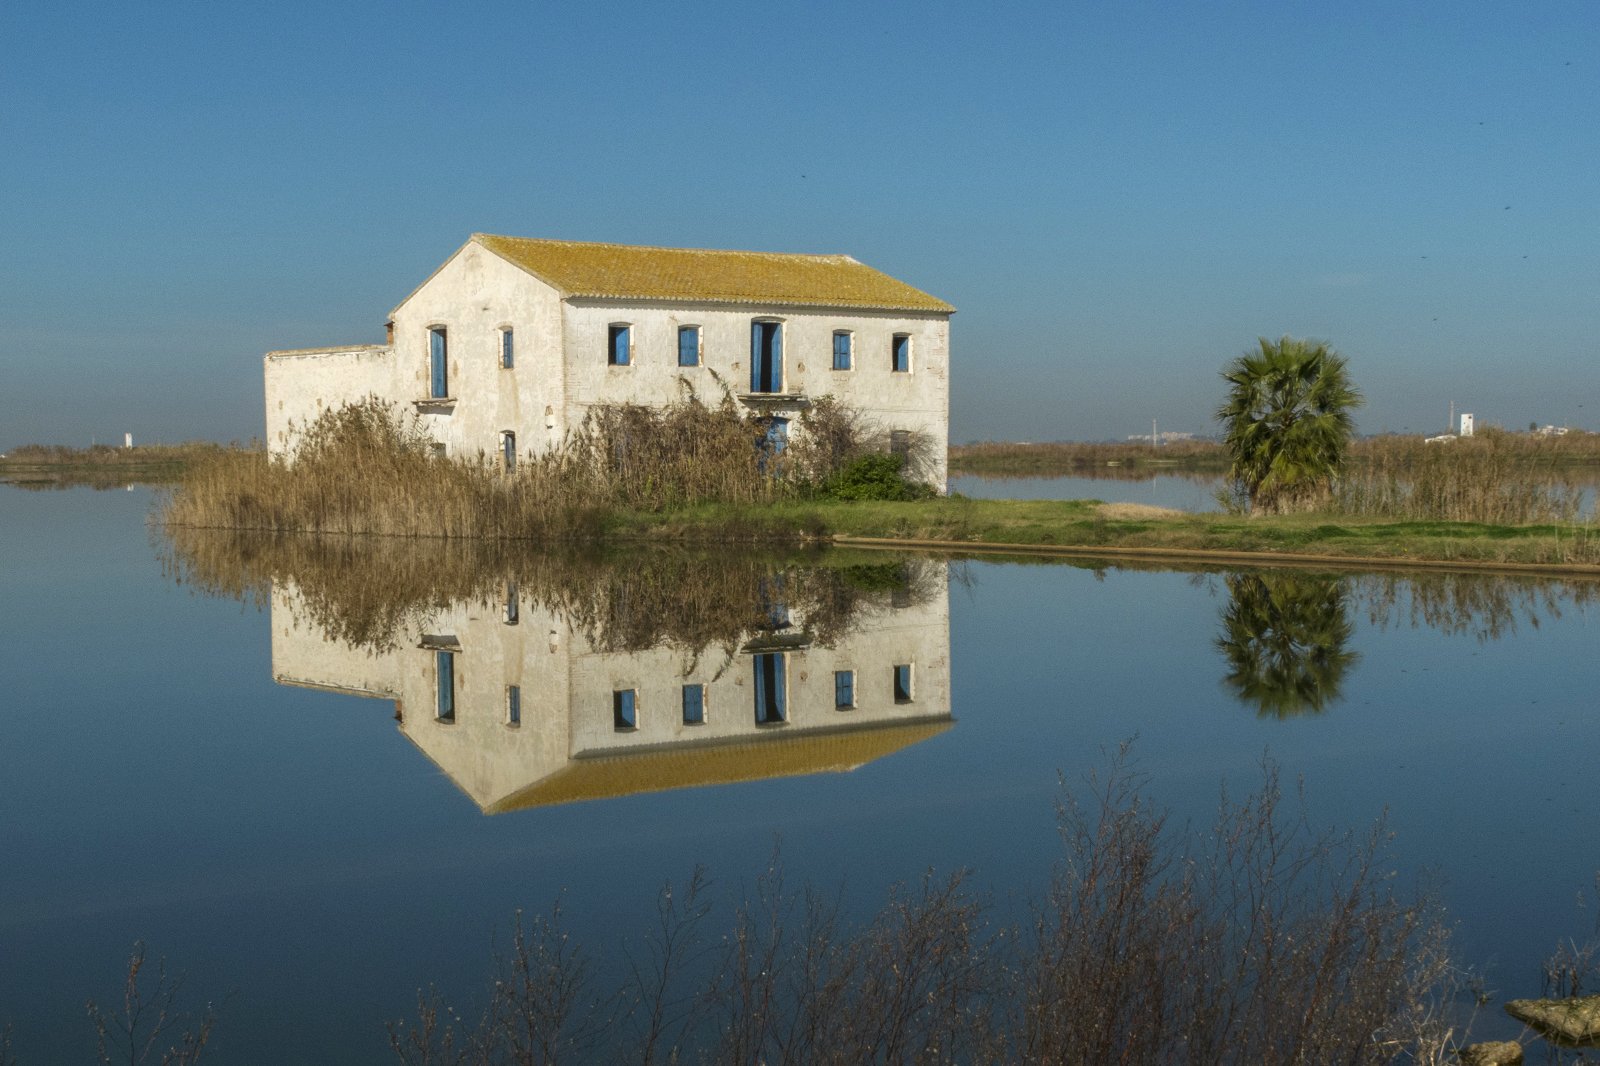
x=619, y=348
x=624, y=711
x=688, y=345
x=513, y=705
x=901, y=353
x=841, y=350
x=694, y=705
x=844, y=689
x=508, y=355
x=902, y=683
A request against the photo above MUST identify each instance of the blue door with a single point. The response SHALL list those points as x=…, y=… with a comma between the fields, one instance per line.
x=770, y=697
x=438, y=364
x=766, y=357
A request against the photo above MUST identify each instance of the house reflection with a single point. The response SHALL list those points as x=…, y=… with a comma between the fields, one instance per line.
x=521, y=708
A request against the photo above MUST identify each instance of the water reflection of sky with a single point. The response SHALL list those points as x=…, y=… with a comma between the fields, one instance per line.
x=1183, y=493
x=294, y=848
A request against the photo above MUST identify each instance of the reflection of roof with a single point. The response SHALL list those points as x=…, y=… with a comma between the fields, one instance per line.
x=584, y=268
x=668, y=766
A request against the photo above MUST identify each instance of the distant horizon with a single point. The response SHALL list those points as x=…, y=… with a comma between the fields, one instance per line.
x=1118, y=200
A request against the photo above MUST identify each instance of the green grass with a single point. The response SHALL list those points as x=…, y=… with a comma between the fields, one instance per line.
x=1063, y=523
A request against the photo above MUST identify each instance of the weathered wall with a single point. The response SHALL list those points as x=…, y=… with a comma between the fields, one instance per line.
x=918, y=400
x=474, y=296
x=300, y=385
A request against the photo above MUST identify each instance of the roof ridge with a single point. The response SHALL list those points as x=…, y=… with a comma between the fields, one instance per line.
x=669, y=248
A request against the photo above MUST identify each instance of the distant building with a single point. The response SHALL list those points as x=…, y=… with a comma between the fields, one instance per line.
x=512, y=340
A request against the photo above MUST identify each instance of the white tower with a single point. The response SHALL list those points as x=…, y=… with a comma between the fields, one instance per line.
x=1466, y=424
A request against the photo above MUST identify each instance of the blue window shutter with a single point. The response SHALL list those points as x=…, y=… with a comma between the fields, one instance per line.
x=694, y=704
x=513, y=705
x=689, y=346
x=755, y=357
x=841, y=351
x=438, y=368
x=619, y=346
x=777, y=356
x=902, y=683
x=445, y=669
x=902, y=353
x=770, y=696
x=507, y=351
x=844, y=688
x=624, y=714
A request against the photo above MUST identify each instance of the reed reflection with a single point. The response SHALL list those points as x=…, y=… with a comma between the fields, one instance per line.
x=533, y=679
x=1285, y=636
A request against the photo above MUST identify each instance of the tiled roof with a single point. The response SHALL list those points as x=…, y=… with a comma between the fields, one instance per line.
x=670, y=766
x=624, y=271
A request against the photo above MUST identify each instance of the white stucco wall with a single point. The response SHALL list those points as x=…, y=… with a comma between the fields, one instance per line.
x=474, y=296
x=301, y=384
x=918, y=400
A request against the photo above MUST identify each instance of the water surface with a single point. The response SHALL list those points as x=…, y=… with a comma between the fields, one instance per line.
x=262, y=790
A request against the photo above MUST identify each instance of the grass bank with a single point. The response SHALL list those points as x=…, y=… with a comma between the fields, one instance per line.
x=101, y=466
x=1059, y=524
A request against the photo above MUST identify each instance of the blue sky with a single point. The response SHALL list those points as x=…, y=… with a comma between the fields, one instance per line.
x=1118, y=197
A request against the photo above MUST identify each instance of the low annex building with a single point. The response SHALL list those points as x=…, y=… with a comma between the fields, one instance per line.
x=510, y=342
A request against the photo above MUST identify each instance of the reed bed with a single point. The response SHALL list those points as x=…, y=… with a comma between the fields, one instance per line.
x=373, y=592
x=364, y=469
x=1495, y=478
x=1001, y=458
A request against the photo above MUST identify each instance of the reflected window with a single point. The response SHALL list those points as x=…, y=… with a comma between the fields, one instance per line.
x=694, y=705
x=624, y=709
x=444, y=668
x=902, y=683
x=771, y=697
x=512, y=611
x=844, y=689
x=513, y=705
x=508, y=451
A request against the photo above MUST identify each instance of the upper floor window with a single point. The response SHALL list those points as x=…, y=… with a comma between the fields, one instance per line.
x=513, y=705
x=902, y=683
x=900, y=353
x=770, y=692
x=844, y=689
x=438, y=364
x=841, y=350
x=508, y=353
x=766, y=356
x=444, y=674
x=619, y=347
x=688, y=345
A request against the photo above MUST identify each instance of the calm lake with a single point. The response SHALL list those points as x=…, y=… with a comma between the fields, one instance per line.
x=316, y=782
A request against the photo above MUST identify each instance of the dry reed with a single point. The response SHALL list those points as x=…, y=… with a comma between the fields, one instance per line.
x=364, y=468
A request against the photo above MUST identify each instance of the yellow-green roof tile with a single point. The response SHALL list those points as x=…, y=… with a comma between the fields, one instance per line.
x=658, y=769
x=700, y=275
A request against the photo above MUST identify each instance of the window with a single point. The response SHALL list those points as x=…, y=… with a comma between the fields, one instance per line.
x=900, y=351
x=841, y=350
x=619, y=349
x=508, y=451
x=900, y=443
x=902, y=683
x=688, y=345
x=444, y=668
x=513, y=705
x=624, y=710
x=771, y=702
x=694, y=705
x=766, y=356
x=438, y=450
x=844, y=689
x=438, y=364
x=508, y=355
x=512, y=614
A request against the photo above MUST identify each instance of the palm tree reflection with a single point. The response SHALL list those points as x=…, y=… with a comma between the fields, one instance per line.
x=1284, y=636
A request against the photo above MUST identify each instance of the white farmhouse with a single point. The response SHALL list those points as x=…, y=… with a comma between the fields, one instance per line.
x=508, y=345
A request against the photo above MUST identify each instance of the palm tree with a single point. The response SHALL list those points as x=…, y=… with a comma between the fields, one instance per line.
x=1288, y=422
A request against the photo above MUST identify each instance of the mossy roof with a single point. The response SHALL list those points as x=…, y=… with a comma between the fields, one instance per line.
x=772, y=754
x=701, y=275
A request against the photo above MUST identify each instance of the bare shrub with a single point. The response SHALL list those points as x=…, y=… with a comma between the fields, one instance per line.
x=150, y=1026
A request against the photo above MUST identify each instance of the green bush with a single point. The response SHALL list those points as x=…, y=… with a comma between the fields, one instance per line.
x=874, y=477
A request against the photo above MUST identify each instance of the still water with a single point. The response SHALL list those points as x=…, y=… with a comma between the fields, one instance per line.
x=301, y=776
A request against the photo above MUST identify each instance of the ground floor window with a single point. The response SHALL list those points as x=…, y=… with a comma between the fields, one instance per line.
x=844, y=689
x=902, y=683
x=624, y=709
x=771, y=698
x=694, y=705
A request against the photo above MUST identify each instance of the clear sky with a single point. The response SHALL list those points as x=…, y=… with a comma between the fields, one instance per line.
x=1119, y=197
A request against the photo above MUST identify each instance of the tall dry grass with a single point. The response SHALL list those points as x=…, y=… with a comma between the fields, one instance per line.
x=1494, y=477
x=365, y=468
x=371, y=592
